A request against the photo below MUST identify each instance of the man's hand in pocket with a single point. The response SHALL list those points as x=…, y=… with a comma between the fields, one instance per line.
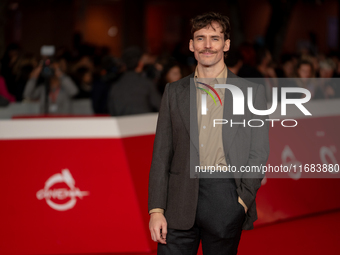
x=243, y=204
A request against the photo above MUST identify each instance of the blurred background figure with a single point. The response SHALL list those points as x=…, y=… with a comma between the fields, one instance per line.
x=260, y=68
x=83, y=79
x=133, y=93
x=234, y=61
x=8, y=63
x=61, y=89
x=327, y=87
x=5, y=96
x=248, y=54
x=266, y=68
x=327, y=68
x=108, y=72
x=288, y=62
x=17, y=72
x=171, y=72
x=84, y=61
x=305, y=71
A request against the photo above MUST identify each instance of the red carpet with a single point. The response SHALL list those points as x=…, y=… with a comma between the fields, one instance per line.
x=315, y=234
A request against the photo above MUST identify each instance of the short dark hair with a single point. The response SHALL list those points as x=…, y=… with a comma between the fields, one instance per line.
x=131, y=57
x=286, y=58
x=305, y=62
x=206, y=19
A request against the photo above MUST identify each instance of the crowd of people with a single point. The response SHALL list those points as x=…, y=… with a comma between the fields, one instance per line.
x=315, y=72
x=135, y=82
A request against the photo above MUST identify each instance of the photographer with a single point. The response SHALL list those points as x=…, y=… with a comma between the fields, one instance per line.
x=61, y=90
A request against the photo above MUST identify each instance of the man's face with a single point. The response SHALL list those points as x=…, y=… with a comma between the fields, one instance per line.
x=305, y=71
x=208, y=45
x=326, y=72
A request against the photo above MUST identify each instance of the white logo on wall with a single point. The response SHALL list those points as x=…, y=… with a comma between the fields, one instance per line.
x=61, y=193
x=288, y=158
x=327, y=154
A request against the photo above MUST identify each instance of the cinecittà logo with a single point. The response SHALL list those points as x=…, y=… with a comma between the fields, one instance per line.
x=61, y=193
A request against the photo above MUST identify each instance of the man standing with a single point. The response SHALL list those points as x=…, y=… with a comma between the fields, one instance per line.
x=133, y=93
x=185, y=209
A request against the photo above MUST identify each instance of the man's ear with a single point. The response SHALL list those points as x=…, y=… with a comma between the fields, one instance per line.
x=226, y=45
x=191, y=45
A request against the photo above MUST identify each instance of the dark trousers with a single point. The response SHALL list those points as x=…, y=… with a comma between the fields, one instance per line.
x=218, y=223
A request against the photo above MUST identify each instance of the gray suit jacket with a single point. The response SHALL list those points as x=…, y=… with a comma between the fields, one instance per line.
x=176, y=150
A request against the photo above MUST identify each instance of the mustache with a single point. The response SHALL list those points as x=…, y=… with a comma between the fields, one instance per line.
x=207, y=51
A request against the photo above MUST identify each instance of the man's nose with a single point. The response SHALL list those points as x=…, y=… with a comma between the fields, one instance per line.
x=207, y=44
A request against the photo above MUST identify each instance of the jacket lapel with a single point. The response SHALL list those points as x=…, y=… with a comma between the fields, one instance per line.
x=186, y=103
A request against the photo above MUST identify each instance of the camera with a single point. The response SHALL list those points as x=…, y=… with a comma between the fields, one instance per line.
x=47, y=52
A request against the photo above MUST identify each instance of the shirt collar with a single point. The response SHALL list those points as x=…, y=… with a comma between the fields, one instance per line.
x=220, y=79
